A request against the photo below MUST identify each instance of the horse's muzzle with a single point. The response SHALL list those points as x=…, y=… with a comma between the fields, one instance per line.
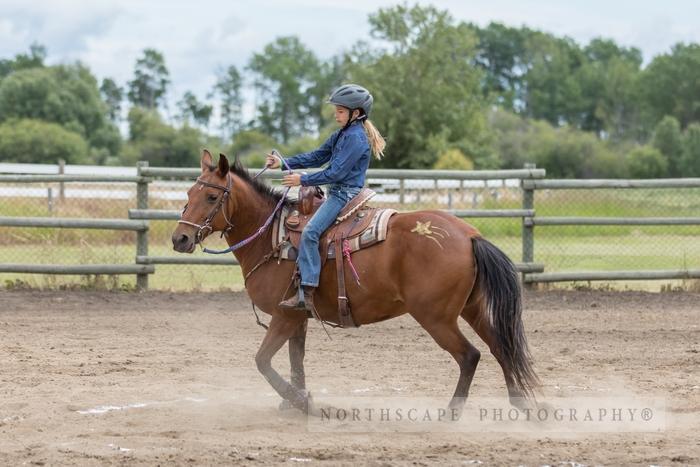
x=183, y=243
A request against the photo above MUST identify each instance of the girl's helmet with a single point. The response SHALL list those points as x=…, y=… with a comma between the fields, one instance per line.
x=353, y=97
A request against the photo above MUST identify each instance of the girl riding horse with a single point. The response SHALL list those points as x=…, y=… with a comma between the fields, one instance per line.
x=347, y=151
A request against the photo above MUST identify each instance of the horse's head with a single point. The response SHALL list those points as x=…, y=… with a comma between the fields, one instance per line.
x=207, y=205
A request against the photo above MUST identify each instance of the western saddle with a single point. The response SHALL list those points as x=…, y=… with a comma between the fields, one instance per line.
x=357, y=226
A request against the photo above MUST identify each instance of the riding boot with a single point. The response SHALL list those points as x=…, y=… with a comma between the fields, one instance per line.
x=303, y=300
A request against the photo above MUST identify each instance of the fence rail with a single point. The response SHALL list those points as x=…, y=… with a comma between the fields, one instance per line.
x=80, y=269
x=529, y=218
x=71, y=223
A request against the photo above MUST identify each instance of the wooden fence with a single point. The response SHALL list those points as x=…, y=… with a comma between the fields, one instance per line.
x=531, y=179
x=529, y=223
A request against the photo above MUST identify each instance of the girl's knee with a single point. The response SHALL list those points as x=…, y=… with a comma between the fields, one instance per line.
x=310, y=233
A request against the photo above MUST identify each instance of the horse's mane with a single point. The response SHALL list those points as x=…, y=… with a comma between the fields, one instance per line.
x=265, y=190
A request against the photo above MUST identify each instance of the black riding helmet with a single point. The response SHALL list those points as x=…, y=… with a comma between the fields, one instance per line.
x=353, y=97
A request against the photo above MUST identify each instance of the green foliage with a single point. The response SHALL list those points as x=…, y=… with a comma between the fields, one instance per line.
x=423, y=86
x=35, y=59
x=251, y=146
x=284, y=75
x=667, y=139
x=151, y=80
x=64, y=94
x=112, y=95
x=690, y=161
x=34, y=141
x=670, y=86
x=228, y=88
x=503, y=95
x=160, y=144
x=563, y=152
x=608, y=81
x=453, y=159
x=501, y=54
x=192, y=110
x=646, y=162
x=554, y=94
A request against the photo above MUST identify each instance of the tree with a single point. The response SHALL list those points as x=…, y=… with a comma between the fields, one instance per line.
x=152, y=140
x=501, y=54
x=251, y=146
x=112, y=96
x=608, y=80
x=670, y=85
x=690, y=161
x=553, y=92
x=35, y=59
x=424, y=84
x=668, y=140
x=284, y=73
x=646, y=162
x=151, y=80
x=324, y=79
x=228, y=88
x=63, y=94
x=35, y=141
x=190, y=108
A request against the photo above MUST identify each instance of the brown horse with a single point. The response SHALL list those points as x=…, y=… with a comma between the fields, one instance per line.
x=434, y=278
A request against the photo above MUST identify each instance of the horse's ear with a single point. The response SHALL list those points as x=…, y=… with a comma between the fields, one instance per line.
x=207, y=161
x=223, y=165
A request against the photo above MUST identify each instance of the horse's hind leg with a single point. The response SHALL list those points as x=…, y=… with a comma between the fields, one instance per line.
x=297, y=350
x=281, y=328
x=476, y=315
x=448, y=336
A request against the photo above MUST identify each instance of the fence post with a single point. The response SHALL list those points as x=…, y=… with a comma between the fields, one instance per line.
x=49, y=195
x=528, y=231
x=402, y=191
x=141, y=235
x=61, y=186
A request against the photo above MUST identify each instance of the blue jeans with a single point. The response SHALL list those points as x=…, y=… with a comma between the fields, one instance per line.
x=309, y=260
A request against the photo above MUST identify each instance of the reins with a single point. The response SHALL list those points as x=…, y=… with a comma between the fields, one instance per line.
x=223, y=200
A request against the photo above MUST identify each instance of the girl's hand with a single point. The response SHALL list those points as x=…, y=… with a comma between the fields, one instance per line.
x=291, y=180
x=272, y=162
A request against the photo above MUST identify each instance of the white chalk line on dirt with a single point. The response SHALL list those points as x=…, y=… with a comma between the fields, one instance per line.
x=102, y=409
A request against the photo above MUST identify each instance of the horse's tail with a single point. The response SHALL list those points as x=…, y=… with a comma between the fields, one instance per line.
x=498, y=280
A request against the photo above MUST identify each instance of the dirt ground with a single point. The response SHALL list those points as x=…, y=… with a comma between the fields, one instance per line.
x=170, y=379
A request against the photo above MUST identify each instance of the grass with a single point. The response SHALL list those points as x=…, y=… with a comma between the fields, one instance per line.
x=166, y=277
x=560, y=248
x=602, y=253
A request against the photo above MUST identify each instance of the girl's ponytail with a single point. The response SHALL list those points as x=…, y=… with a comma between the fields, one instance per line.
x=376, y=140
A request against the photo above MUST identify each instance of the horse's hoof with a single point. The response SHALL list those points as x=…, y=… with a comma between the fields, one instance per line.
x=303, y=402
x=520, y=402
x=285, y=405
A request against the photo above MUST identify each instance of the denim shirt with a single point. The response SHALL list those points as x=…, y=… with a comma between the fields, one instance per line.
x=349, y=159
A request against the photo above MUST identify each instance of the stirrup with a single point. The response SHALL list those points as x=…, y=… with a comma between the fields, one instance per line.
x=300, y=303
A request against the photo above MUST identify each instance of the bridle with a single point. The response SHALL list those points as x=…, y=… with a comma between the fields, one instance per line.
x=227, y=191
x=206, y=226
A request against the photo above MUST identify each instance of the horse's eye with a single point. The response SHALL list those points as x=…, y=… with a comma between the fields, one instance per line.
x=184, y=209
x=211, y=198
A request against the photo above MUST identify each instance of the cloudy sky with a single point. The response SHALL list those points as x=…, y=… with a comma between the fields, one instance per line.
x=198, y=37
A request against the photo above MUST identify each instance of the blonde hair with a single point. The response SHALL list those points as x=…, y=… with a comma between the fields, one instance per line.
x=376, y=140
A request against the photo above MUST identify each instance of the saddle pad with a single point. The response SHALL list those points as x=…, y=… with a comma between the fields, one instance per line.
x=375, y=232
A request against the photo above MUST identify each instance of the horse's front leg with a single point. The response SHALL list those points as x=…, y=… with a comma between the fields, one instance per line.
x=281, y=328
x=297, y=350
